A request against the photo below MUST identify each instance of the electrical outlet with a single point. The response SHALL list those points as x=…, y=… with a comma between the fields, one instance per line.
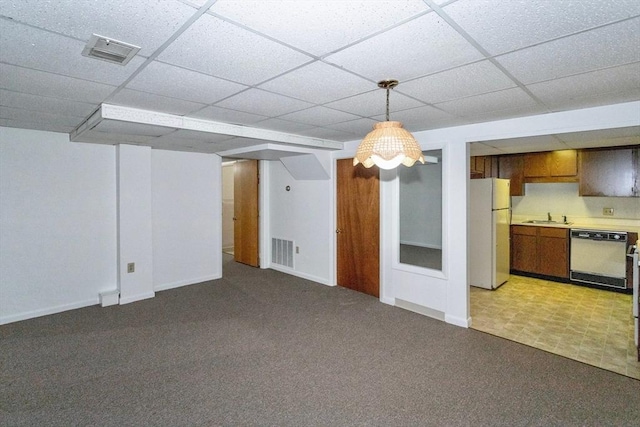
x=607, y=211
x=131, y=267
x=297, y=249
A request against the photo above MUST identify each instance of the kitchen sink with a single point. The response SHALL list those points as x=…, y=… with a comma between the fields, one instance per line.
x=545, y=221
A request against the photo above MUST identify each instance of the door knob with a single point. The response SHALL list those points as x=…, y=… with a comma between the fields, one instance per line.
x=338, y=230
x=234, y=218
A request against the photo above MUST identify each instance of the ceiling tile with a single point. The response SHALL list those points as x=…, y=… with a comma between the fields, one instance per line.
x=606, y=142
x=595, y=137
x=501, y=26
x=423, y=46
x=507, y=113
x=495, y=101
x=359, y=127
x=149, y=101
x=226, y=115
x=480, y=149
x=468, y=80
x=37, y=116
x=267, y=104
x=605, y=47
x=576, y=91
x=171, y=81
x=331, y=134
x=423, y=118
x=47, y=84
x=319, y=116
x=316, y=26
x=44, y=104
x=373, y=103
x=221, y=49
x=318, y=83
x=33, y=48
x=144, y=23
x=36, y=126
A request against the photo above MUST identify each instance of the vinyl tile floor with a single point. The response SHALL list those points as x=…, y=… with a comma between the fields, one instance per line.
x=592, y=326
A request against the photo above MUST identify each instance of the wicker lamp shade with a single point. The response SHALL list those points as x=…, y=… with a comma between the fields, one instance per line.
x=387, y=146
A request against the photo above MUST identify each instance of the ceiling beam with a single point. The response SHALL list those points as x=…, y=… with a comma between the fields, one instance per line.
x=154, y=118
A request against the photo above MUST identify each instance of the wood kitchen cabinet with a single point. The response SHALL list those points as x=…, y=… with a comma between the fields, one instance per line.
x=551, y=166
x=483, y=167
x=512, y=167
x=609, y=172
x=540, y=250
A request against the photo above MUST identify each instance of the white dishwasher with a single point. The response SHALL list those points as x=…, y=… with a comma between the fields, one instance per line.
x=599, y=257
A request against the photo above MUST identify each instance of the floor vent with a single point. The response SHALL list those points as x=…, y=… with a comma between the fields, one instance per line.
x=282, y=252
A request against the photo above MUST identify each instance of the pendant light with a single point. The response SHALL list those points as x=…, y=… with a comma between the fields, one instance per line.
x=388, y=144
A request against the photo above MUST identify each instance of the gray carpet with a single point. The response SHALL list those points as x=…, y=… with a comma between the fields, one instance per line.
x=264, y=348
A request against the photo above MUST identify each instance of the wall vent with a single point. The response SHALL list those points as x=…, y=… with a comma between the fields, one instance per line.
x=282, y=252
x=109, y=50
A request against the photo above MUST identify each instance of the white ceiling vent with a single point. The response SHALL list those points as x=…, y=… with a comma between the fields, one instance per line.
x=109, y=50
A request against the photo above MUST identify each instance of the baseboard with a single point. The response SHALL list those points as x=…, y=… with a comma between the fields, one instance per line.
x=178, y=284
x=135, y=298
x=416, y=308
x=51, y=310
x=458, y=321
x=301, y=275
x=387, y=300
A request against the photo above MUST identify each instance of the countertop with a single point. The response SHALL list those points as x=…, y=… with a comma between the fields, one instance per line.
x=584, y=226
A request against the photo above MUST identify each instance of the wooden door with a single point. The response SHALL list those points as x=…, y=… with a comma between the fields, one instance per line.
x=245, y=212
x=358, y=227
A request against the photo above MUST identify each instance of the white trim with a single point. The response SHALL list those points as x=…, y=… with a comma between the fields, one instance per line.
x=138, y=297
x=47, y=311
x=180, y=283
x=458, y=321
x=306, y=276
x=420, y=309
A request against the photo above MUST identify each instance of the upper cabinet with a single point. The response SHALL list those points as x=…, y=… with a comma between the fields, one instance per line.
x=604, y=172
x=551, y=166
x=511, y=167
x=483, y=167
x=609, y=172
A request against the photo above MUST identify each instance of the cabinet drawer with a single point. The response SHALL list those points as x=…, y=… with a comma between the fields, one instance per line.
x=553, y=232
x=524, y=230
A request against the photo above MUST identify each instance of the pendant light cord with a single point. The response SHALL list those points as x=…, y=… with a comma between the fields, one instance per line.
x=387, y=104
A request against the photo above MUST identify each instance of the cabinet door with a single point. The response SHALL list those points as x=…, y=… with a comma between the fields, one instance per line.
x=524, y=249
x=511, y=167
x=536, y=165
x=553, y=248
x=609, y=172
x=563, y=163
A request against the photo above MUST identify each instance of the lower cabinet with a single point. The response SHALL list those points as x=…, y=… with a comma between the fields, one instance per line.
x=540, y=250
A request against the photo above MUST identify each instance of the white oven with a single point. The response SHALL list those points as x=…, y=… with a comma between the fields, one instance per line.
x=599, y=257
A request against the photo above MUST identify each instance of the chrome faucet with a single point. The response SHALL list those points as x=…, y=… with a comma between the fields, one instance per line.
x=564, y=219
x=548, y=216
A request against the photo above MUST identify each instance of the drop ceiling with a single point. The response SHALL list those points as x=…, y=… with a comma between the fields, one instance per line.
x=304, y=73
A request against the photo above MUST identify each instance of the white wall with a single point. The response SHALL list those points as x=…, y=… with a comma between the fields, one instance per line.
x=305, y=215
x=134, y=223
x=57, y=223
x=59, y=206
x=187, y=216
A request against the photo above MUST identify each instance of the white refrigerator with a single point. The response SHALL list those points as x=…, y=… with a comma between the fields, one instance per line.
x=489, y=220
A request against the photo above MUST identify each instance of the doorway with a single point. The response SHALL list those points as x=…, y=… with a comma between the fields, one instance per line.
x=358, y=227
x=246, y=212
